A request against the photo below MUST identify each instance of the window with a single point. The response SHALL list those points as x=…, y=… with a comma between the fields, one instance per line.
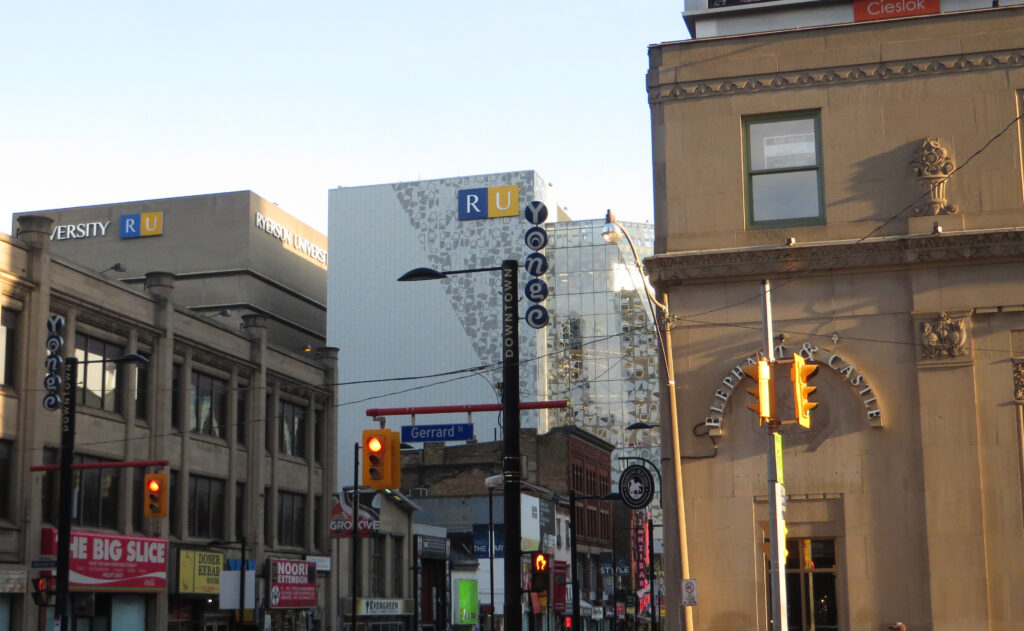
x=173, y=507
x=176, y=422
x=207, y=405
x=6, y=478
x=97, y=372
x=141, y=388
x=291, y=519
x=318, y=523
x=293, y=429
x=8, y=349
x=205, y=507
x=239, y=510
x=398, y=565
x=811, y=594
x=783, y=170
x=138, y=493
x=241, y=411
x=377, y=566
x=96, y=491
x=318, y=436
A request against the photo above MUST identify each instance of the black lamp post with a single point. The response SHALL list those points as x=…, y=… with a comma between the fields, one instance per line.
x=69, y=403
x=510, y=419
x=241, y=577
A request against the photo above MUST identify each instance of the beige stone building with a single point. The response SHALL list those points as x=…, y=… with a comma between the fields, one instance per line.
x=871, y=170
x=242, y=415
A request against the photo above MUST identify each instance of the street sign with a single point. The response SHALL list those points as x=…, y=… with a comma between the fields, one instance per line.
x=436, y=433
x=536, y=212
x=44, y=564
x=689, y=592
x=636, y=486
x=537, y=316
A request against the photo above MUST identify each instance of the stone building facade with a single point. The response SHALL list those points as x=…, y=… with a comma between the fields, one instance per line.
x=872, y=173
x=244, y=425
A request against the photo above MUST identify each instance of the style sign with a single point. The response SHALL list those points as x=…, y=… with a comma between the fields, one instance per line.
x=488, y=203
x=292, y=584
x=113, y=563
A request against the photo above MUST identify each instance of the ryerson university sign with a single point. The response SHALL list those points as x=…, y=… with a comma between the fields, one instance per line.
x=297, y=242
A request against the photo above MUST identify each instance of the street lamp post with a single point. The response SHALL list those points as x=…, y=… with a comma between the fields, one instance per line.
x=612, y=232
x=510, y=419
x=240, y=610
x=69, y=403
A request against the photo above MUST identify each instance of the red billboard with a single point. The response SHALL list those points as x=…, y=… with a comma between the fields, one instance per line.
x=292, y=584
x=864, y=10
x=112, y=563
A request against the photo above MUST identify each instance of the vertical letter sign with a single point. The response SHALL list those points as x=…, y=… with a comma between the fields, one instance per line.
x=536, y=264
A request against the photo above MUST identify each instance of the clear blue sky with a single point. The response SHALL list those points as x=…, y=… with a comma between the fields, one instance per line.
x=120, y=101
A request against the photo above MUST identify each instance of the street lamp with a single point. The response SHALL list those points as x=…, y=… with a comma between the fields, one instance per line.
x=572, y=551
x=612, y=233
x=67, y=456
x=509, y=291
x=241, y=576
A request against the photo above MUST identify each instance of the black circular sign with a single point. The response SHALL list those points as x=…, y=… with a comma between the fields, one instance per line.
x=636, y=486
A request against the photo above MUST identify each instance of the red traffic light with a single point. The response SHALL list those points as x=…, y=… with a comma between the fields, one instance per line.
x=153, y=485
x=374, y=444
x=568, y=622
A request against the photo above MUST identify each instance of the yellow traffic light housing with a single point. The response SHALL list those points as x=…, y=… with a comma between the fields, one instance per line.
x=382, y=459
x=799, y=373
x=154, y=496
x=764, y=392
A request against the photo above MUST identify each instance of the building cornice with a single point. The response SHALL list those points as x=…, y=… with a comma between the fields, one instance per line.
x=981, y=246
x=836, y=75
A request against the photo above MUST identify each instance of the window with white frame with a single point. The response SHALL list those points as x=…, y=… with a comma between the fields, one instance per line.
x=293, y=428
x=98, y=372
x=208, y=405
x=783, y=170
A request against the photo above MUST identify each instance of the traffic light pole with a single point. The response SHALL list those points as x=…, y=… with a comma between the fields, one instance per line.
x=780, y=614
x=510, y=442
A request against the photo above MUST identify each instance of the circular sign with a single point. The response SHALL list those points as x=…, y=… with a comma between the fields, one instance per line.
x=52, y=382
x=536, y=290
x=54, y=342
x=275, y=595
x=536, y=264
x=536, y=238
x=53, y=363
x=51, y=402
x=537, y=316
x=536, y=213
x=54, y=323
x=636, y=486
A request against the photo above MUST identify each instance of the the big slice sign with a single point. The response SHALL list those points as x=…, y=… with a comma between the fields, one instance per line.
x=292, y=584
x=864, y=10
x=105, y=562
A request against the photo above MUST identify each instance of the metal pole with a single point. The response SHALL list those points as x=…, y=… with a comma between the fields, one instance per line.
x=677, y=460
x=572, y=558
x=241, y=589
x=490, y=549
x=510, y=444
x=62, y=619
x=355, y=535
x=780, y=613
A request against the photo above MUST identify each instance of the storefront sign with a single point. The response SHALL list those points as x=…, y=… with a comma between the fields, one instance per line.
x=106, y=562
x=865, y=10
x=323, y=564
x=341, y=517
x=291, y=239
x=811, y=353
x=383, y=606
x=292, y=584
x=13, y=578
x=199, y=571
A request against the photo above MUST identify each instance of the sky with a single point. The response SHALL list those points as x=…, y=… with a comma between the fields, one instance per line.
x=123, y=101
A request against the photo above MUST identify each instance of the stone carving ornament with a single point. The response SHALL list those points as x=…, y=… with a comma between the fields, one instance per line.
x=932, y=167
x=943, y=338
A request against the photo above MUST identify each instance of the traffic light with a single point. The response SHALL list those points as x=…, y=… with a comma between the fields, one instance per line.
x=382, y=459
x=539, y=568
x=43, y=588
x=799, y=373
x=154, y=486
x=766, y=545
x=764, y=392
x=568, y=623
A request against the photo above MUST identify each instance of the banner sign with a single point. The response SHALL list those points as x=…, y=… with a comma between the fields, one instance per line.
x=292, y=584
x=199, y=571
x=114, y=563
x=559, y=589
x=341, y=516
x=480, y=549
